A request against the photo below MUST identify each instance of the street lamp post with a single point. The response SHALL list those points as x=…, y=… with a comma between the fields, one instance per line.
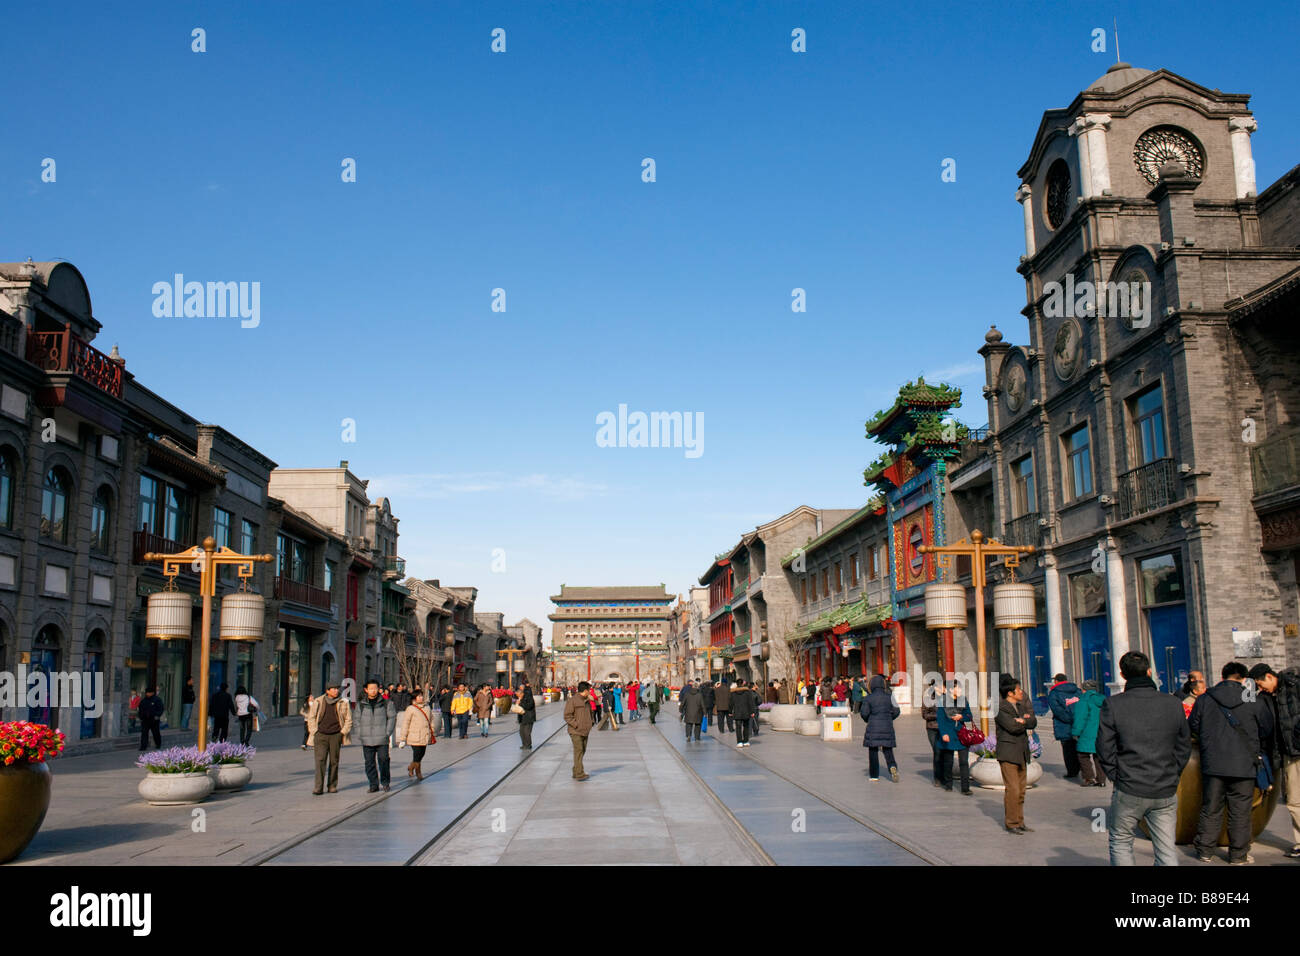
x=510, y=653
x=209, y=557
x=977, y=550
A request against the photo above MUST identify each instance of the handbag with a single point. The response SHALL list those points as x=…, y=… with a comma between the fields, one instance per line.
x=516, y=709
x=970, y=736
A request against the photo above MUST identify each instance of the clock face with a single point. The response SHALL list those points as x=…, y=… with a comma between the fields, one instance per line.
x=1166, y=144
x=1016, y=387
x=1058, y=193
x=1068, y=350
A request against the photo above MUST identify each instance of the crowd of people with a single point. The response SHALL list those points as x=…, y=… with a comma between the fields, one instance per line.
x=397, y=718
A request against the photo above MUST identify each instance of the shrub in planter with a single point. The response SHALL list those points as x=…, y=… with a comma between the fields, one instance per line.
x=25, y=782
x=176, y=775
x=229, y=770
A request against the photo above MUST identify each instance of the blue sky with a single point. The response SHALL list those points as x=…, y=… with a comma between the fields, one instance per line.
x=522, y=171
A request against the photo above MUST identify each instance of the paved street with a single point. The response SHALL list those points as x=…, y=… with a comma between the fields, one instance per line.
x=652, y=799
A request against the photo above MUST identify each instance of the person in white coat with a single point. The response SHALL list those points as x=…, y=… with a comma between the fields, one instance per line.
x=246, y=708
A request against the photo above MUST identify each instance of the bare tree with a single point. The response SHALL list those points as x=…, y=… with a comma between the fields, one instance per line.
x=419, y=658
x=788, y=643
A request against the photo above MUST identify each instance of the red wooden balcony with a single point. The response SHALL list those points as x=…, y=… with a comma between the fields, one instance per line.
x=65, y=352
x=289, y=590
x=142, y=542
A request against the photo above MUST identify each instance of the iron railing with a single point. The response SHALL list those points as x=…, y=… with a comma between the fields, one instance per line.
x=66, y=352
x=142, y=542
x=1147, y=488
x=1275, y=464
x=1022, y=531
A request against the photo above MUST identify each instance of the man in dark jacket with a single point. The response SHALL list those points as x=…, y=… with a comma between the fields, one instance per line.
x=376, y=719
x=1231, y=731
x=528, y=717
x=708, y=696
x=1014, y=721
x=1143, y=743
x=1282, y=692
x=150, y=711
x=744, y=705
x=221, y=707
x=1061, y=698
x=187, y=702
x=691, y=704
x=444, y=704
x=722, y=702
x=577, y=718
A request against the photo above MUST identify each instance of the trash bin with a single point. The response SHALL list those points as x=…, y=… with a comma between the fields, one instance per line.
x=836, y=723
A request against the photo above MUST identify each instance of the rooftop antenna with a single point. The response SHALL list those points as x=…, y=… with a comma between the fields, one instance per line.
x=1116, y=22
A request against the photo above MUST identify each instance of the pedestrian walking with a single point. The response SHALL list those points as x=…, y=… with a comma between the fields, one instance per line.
x=246, y=711
x=187, y=703
x=415, y=727
x=329, y=725
x=577, y=717
x=952, y=713
x=376, y=721
x=527, y=714
x=617, y=694
x=444, y=706
x=691, y=706
x=709, y=697
x=1086, y=720
x=1143, y=743
x=401, y=699
x=461, y=706
x=483, y=701
x=1231, y=731
x=652, y=700
x=879, y=711
x=304, y=713
x=722, y=705
x=1061, y=698
x=633, y=700
x=221, y=707
x=1281, y=691
x=1013, y=723
x=150, y=711
x=930, y=714
x=744, y=705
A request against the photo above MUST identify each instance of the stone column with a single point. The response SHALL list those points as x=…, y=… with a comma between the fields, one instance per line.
x=1094, y=164
x=1243, y=165
x=1055, y=629
x=1116, y=611
x=1023, y=195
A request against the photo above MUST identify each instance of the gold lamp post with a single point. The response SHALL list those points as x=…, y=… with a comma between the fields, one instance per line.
x=977, y=549
x=512, y=667
x=241, y=619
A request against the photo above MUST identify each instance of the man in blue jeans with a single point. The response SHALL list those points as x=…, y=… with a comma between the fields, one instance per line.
x=1143, y=743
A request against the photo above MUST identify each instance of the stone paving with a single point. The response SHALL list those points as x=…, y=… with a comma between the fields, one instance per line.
x=97, y=817
x=950, y=828
x=640, y=807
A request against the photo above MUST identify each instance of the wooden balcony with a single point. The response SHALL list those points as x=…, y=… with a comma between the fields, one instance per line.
x=66, y=352
x=1275, y=464
x=142, y=542
x=1147, y=488
x=300, y=593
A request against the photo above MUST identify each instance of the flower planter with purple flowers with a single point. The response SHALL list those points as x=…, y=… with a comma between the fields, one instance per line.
x=229, y=770
x=177, y=775
x=986, y=773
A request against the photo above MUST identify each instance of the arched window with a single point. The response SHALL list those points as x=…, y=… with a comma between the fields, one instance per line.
x=101, y=512
x=54, y=504
x=8, y=479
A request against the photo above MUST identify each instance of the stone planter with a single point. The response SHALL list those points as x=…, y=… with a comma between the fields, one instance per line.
x=174, y=789
x=785, y=715
x=228, y=777
x=985, y=772
x=1262, y=806
x=765, y=717
x=808, y=726
x=24, y=799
